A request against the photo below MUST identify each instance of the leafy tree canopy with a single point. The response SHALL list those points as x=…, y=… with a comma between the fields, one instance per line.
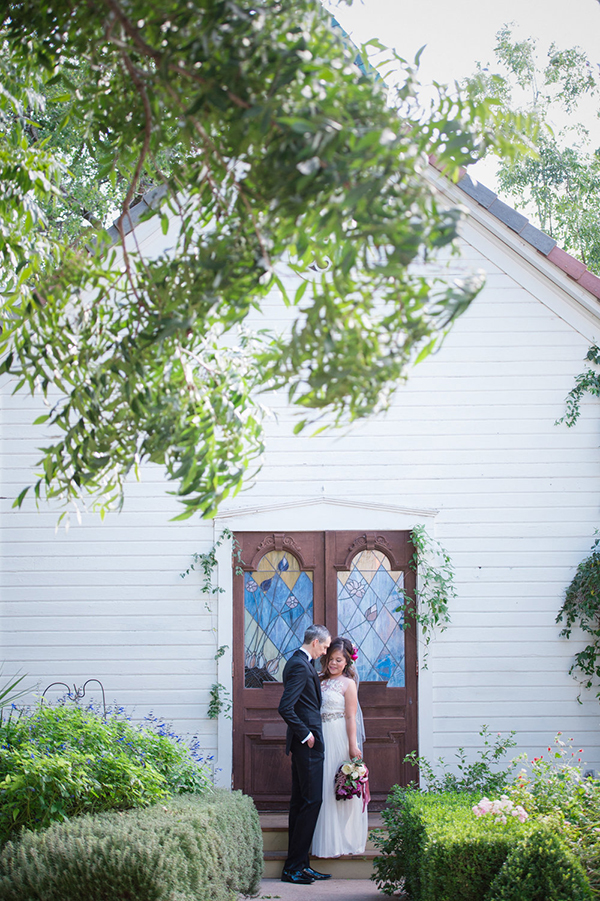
x=275, y=155
x=559, y=184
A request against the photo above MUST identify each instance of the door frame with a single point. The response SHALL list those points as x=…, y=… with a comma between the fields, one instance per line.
x=306, y=515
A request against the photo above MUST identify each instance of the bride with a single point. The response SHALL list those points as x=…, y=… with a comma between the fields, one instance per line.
x=342, y=825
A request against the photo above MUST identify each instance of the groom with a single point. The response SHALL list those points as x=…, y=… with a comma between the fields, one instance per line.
x=300, y=707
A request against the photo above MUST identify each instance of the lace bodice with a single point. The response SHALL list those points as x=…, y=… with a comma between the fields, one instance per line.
x=333, y=704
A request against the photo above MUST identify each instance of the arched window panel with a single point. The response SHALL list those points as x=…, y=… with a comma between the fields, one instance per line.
x=371, y=614
x=278, y=608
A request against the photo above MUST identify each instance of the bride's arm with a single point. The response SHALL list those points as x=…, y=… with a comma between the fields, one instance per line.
x=351, y=705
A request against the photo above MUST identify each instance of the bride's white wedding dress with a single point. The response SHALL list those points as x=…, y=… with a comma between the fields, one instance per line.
x=342, y=825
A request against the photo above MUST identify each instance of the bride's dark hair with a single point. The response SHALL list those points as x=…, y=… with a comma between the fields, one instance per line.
x=347, y=649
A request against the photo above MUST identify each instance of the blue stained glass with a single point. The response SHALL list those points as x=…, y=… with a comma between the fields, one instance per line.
x=367, y=598
x=278, y=600
x=279, y=632
x=382, y=584
x=385, y=667
x=303, y=590
x=386, y=625
x=280, y=594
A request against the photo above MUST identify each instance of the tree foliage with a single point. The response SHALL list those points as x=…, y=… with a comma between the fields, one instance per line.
x=560, y=183
x=276, y=155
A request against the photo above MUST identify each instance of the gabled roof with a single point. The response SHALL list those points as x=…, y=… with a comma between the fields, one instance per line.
x=542, y=242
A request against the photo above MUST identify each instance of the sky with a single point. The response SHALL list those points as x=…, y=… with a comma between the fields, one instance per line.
x=459, y=33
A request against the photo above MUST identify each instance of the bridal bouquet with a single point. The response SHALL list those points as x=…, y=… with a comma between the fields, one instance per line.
x=351, y=779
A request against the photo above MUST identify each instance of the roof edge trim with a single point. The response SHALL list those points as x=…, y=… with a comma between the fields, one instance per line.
x=520, y=224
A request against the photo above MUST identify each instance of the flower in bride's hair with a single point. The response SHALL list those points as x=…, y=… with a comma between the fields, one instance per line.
x=354, y=653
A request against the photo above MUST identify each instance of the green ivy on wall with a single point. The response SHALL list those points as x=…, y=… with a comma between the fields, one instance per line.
x=585, y=382
x=435, y=586
x=581, y=608
x=220, y=699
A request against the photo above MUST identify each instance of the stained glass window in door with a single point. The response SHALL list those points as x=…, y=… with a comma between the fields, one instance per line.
x=368, y=596
x=278, y=608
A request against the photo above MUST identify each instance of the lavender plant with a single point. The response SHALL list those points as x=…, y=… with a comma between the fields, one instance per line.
x=60, y=761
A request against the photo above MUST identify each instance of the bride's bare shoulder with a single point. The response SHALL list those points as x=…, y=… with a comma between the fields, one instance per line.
x=348, y=684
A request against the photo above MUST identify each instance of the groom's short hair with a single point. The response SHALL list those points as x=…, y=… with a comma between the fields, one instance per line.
x=316, y=631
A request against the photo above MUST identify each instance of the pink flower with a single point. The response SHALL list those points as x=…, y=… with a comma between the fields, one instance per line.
x=500, y=808
x=484, y=806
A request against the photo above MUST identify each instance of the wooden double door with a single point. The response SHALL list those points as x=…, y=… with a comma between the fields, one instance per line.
x=356, y=583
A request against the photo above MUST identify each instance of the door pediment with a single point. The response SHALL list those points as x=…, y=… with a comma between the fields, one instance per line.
x=328, y=513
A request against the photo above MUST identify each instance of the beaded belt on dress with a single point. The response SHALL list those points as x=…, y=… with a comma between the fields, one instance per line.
x=332, y=716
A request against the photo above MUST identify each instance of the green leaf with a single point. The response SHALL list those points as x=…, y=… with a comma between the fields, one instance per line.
x=21, y=497
x=275, y=157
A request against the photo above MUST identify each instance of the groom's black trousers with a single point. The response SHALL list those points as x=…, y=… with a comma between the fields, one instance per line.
x=307, y=795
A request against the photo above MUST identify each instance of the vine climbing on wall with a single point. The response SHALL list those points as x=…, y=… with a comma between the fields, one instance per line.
x=220, y=699
x=435, y=586
x=581, y=606
x=586, y=382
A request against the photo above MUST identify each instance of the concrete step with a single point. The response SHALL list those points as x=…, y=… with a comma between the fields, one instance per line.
x=351, y=866
x=277, y=840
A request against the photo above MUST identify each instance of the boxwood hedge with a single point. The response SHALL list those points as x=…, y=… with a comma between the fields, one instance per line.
x=438, y=850
x=189, y=847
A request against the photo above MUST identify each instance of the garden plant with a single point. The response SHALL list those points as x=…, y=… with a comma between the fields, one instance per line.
x=188, y=848
x=494, y=834
x=61, y=761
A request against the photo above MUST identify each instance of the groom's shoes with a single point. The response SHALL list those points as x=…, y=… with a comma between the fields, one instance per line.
x=298, y=877
x=308, y=871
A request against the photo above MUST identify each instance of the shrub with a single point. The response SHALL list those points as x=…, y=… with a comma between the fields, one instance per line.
x=554, y=792
x=438, y=850
x=553, y=780
x=192, y=848
x=540, y=868
x=479, y=776
x=58, y=762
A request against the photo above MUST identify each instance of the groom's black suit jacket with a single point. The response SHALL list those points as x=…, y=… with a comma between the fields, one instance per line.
x=300, y=703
